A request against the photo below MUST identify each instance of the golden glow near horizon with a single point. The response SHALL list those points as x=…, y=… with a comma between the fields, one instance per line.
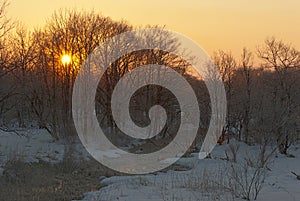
x=66, y=59
x=214, y=24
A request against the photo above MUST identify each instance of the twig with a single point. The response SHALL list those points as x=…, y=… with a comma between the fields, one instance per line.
x=297, y=176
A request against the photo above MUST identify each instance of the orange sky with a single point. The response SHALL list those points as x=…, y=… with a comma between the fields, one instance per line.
x=214, y=24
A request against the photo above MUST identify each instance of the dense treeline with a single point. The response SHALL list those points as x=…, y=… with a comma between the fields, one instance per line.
x=263, y=99
x=36, y=86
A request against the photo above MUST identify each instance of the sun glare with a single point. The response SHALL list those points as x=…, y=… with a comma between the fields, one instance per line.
x=65, y=59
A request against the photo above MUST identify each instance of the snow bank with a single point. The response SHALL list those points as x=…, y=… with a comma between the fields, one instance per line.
x=195, y=184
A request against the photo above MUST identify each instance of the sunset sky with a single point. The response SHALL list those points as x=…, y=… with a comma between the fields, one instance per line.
x=214, y=24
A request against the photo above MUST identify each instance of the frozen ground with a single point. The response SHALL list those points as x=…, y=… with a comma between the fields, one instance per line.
x=207, y=179
x=204, y=181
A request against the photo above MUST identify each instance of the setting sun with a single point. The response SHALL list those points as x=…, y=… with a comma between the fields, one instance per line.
x=65, y=59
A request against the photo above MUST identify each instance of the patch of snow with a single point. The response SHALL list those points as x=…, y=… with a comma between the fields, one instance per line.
x=33, y=145
x=36, y=144
x=279, y=185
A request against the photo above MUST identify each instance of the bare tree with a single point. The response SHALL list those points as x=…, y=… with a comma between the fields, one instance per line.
x=5, y=26
x=247, y=71
x=7, y=89
x=148, y=96
x=227, y=65
x=284, y=61
x=75, y=34
x=24, y=54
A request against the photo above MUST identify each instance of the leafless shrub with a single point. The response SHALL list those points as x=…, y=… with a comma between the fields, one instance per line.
x=246, y=182
x=246, y=178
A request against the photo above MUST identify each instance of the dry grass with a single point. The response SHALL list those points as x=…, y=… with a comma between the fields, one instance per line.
x=52, y=182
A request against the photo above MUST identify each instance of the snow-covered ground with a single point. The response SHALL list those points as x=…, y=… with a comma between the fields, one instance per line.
x=207, y=179
x=280, y=183
x=33, y=145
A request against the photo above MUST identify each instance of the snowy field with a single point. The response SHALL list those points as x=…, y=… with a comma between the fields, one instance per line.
x=221, y=177
x=204, y=181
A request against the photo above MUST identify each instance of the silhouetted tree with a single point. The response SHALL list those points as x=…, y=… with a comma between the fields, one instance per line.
x=284, y=61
